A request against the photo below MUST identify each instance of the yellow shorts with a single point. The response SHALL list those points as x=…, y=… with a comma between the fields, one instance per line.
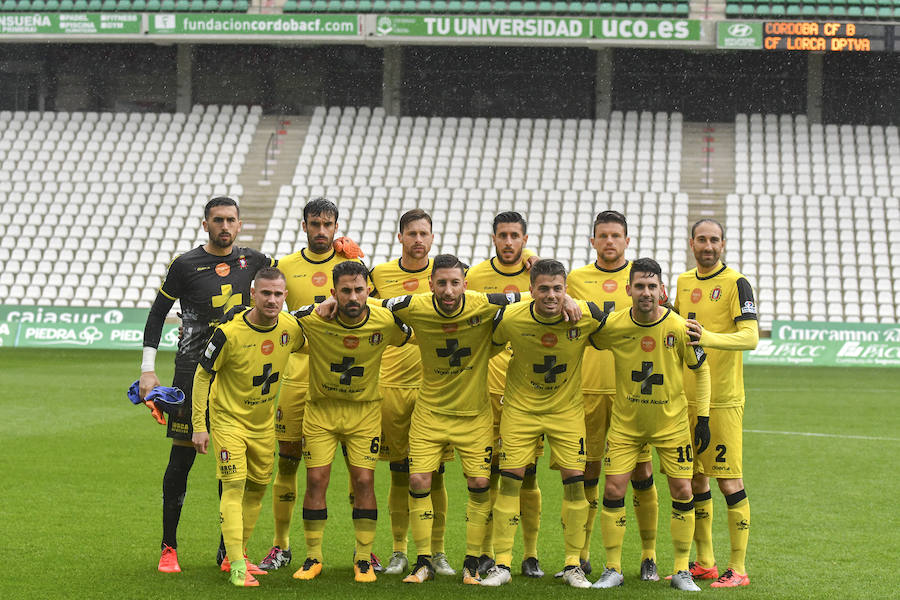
x=431, y=435
x=597, y=412
x=675, y=455
x=521, y=432
x=724, y=458
x=240, y=457
x=357, y=425
x=289, y=414
x=396, y=409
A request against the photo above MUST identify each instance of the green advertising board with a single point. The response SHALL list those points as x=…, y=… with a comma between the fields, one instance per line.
x=246, y=24
x=829, y=345
x=737, y=35
x=76, y=327
x=530, y=27
x=70, y=23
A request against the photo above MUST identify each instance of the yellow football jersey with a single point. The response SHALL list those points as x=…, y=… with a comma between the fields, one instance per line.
x=544, y=374
x=344, y=360
x=248, y=363
x=400, y=367
x=455, y=349
x=650, y=402
x=492, y=276
x=308, y=277
x=607, y=290
x=718, y=302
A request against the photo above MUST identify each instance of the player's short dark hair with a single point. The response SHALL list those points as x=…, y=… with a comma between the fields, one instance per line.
x=547, y=266
x=707, y=220
x=318, y=207
x=348, y=267
x=272, y=273
x=447, y=261
x=647, y=266
x=510, y=216
x=414, y=215
x=609, y=216
x=220, y=201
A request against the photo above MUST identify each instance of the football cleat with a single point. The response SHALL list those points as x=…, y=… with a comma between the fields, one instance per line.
x=470, y=574
x=220, y=553
x=496, y=576
x=648, y=570
x=485, y=564
x=609, y=579
x=310, y=569
x=700, y=572
x=240, y=575
x=683, y=581
x=441, y=564
x=531, y=567
x=731, y=578
x=376, y=564
x=251, y=568
x=574, y=577
x=397, y=565
x=275, y=559
x=363, y=571
x=584, y=563
x=168, y=560
x=422, y=572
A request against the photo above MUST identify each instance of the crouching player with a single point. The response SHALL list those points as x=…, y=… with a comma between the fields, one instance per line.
x=247, y=355
x=651, y=346
x=344, y=406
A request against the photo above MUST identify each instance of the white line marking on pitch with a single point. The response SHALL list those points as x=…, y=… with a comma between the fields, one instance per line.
x=827, y=435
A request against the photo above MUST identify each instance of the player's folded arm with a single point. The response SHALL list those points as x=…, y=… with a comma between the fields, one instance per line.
x=407, y=335
x=745, y=338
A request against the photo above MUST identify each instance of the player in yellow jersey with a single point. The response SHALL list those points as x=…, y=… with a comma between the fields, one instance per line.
x=718, y=303
x=344, y=406
x=604, y=281
x=506, y=272
x=542, y=397
x=247, y=356
x=401, y=377
x=308, y=275
x=651, y=347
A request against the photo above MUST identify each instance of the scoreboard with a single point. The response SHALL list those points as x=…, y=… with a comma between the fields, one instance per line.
x=828, y=37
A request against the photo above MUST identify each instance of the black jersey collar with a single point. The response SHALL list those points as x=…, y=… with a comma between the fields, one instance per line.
x=357, y=325
x=654, y=324
x=705, y=277
x=462, y=307
x=537, y=318
x=254, y=327
x=405, y=270
x=316, y=262
x=505, y=273
x=602, y=270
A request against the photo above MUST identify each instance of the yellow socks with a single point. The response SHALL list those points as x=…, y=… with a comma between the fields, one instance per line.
x=231, y=517
x=612, y=527
x=738, y=529
x=487, y=544
x=530, y=508
x=478, y=510
x=398, y=505
x=703, y=514
x=364, y=522
x=439, y=505
x=421, y=515
x=646, y=510
x=592, y=495
x=506, y=517
x=682, y=531
x=314, y=520
x=284, y=496
x=251, y=505
x=574, y=517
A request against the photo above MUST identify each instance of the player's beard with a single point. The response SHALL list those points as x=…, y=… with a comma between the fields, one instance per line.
x=351, y=311
x=517, y=257
x=222, y=243
x=708, y=260
x=320, y=245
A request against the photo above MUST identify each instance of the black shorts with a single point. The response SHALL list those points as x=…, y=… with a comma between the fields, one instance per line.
x=179, y=425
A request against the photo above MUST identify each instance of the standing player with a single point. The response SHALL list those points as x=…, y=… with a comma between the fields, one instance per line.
x=543, y=397
x=247, y=356
x=308, y=275
x=604, y=282
x=718, y=303
x=401, y=377
x=651, y=347
x=344, y=406
x=504, y=273
x=209, y=280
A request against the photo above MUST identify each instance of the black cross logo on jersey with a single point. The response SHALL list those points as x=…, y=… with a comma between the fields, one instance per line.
x=319, y=299
x=646, y=377
x=347, y=372
x=550, y=369
x=266, y=379
x=454, y=352
x=609, y=306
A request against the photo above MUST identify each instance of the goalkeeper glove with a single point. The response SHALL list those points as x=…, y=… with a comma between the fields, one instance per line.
x=701, y=435
x=664, y=297
x=347, y=247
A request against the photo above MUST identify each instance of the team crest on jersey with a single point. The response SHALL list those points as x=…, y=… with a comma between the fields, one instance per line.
x=223, y=455
x=670, y=340
x=715, y=294
x=574, y=333
x=696, y=295
x=242, y=262
x=474, y=321
x=376, y=338
x=285, y=338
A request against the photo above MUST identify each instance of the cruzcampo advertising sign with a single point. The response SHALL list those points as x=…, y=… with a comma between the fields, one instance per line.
x=76, y=327
x=69, y=23
x=247, y=24
x=548, y=28
x=735, y=35
x=829, y=345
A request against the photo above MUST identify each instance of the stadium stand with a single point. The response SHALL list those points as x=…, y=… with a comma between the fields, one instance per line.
x=558, y=173
x=93, y=206
x=816, y=217
x=198, y=6
x=870, y=10
x=486, y=7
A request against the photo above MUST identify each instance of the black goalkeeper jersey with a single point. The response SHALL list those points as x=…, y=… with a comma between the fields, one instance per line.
x=209, y=286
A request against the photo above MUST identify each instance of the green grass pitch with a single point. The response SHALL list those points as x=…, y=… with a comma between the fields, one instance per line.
x=81, y=499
